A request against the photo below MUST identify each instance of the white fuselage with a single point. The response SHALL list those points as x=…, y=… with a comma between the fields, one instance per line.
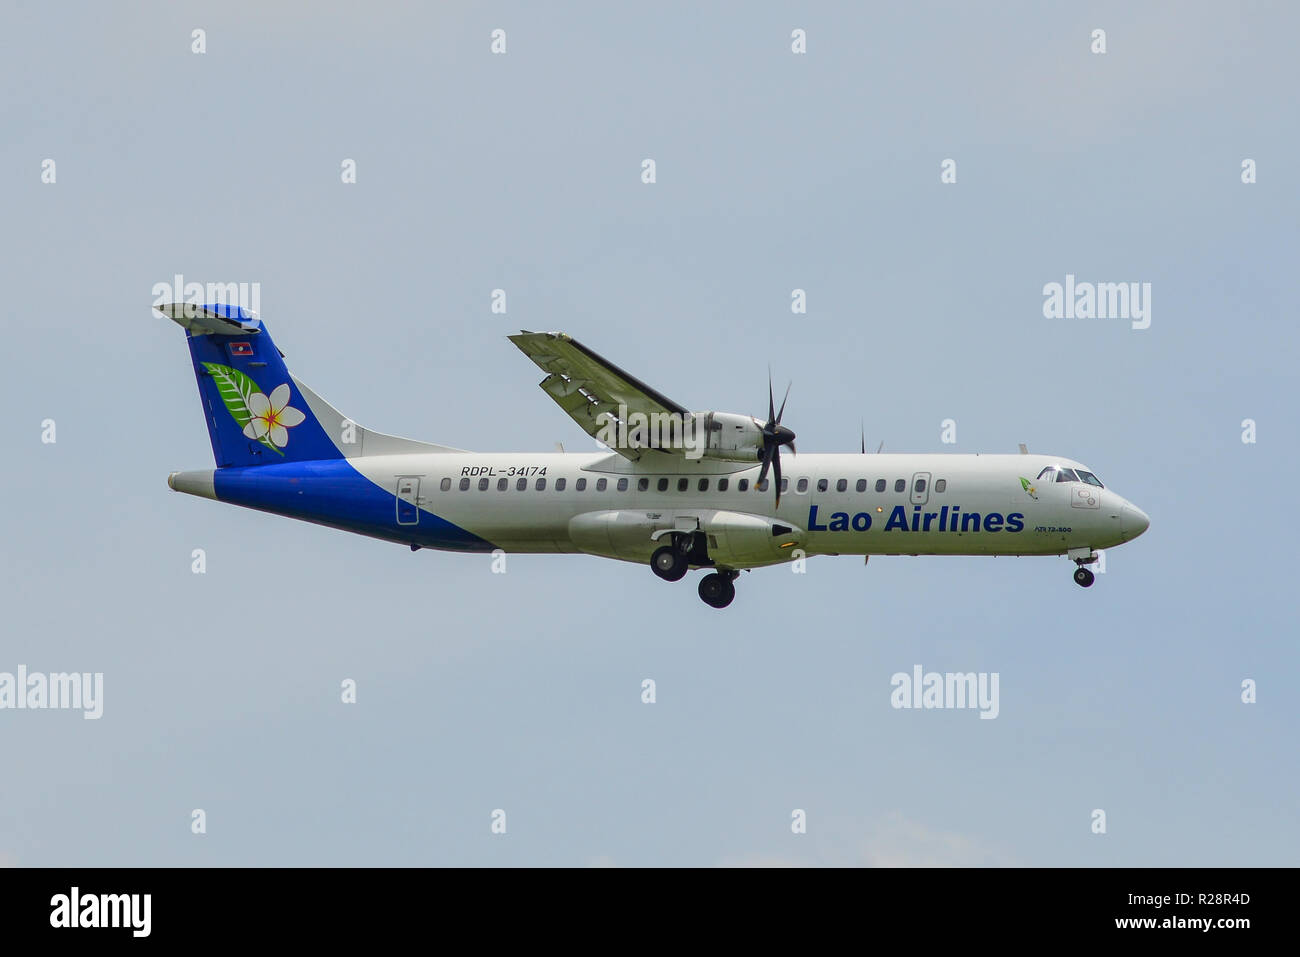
x=601, y=503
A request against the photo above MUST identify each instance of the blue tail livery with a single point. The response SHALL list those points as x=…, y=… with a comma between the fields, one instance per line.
x=256, y=414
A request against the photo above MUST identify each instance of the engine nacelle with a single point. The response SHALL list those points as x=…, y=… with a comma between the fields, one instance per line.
x=732, y=438
x=741, y=540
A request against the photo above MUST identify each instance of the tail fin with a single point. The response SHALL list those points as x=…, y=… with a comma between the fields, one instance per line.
x=257, y=413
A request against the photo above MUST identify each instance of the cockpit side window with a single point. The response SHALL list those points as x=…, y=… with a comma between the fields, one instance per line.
x=1066, y=475
x=1046, y=474
x=1090, y=478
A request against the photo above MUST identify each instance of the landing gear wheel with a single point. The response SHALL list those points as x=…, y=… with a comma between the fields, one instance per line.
x=717, y=590
x=669, y=563
x=1084, y=577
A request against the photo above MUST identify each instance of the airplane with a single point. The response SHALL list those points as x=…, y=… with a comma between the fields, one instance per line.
x=673, y=489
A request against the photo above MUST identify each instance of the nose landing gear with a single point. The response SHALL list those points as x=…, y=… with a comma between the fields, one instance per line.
x=1083, y=556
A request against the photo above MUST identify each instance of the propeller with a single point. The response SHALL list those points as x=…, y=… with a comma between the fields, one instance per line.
x=775, y=435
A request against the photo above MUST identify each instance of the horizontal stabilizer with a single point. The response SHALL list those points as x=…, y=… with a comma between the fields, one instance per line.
x=213, y=319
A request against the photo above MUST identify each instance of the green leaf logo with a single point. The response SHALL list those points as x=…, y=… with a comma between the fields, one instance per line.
x=237, y=391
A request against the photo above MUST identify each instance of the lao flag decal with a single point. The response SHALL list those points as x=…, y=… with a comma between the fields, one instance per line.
x=240, y=349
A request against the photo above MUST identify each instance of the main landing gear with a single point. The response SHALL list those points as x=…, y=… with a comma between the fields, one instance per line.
x=717, y=589
x=671, y=562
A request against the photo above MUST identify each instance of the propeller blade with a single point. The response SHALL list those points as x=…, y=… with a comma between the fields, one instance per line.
x=862, y=430
x=776, y=473
x=775, y=435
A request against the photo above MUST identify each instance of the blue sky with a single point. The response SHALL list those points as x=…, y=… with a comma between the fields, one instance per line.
x=775, y=171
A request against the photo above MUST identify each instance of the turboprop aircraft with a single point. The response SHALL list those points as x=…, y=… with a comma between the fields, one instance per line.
x=674, y=489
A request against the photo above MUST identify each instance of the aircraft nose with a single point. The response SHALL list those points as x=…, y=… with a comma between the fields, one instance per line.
x=1133, y=521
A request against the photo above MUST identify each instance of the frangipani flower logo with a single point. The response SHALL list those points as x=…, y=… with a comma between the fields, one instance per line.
x=264, y=418
x=272, y=417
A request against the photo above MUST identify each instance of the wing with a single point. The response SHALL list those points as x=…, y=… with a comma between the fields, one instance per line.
x=587, y=386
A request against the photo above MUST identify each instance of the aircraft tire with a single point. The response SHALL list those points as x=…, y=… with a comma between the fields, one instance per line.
x=716, y=590
x=669, y=563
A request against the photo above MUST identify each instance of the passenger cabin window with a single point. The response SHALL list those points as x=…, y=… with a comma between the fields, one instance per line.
x=502, y=484
x=445, y=484
x=703, y=485
x=602, y=484
x=464, y=485
x=541, y=485
x=842, y=485
x=682, y=483
x=723, y=484
x=941, y=485
x=663, y=485
x=919, y=487
x=762, y=486
x=580, y=485
x=801, y=486
x=1090, y=478
x=742, y=485
x=521, y=485
x=622, y=485
x=823, y=484
x=880, y=485
x=900, y=485
x=482, y=485
x=1066, y=475
x=862, y=485
x=785, y=485
x=560, y=483
x=642, y=484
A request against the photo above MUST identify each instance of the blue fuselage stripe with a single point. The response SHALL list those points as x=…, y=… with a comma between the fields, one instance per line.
x=333, y=493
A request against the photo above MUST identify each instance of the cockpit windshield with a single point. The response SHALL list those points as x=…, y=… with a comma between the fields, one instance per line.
x=1058, y=474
